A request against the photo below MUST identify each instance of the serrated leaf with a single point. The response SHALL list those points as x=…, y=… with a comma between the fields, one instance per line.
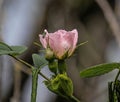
x=39, y=61
x=18, y=49
x=99, y=69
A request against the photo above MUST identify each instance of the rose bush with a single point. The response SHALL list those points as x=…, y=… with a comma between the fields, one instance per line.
x=62, y=43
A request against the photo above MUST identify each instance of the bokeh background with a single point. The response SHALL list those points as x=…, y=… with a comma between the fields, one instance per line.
x=97, y=21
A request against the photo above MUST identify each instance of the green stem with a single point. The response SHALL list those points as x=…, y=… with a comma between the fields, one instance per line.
x=44, y=76
x=113, y=91
x=110, y=92
x=35, y=73
x=28, y=65
x=61, y=66
x=34, y=84
x=73, y=99
x=116, y=78
x=23, y=62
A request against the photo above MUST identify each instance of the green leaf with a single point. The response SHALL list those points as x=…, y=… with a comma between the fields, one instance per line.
x=18, y=49
x=11, y=50
x=4, y=52
x=5, y=49
x=39, y=61
x=4, y=46
x=99, y=69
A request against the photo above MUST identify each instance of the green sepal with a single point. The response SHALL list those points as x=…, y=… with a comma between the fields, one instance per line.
x=61, y=85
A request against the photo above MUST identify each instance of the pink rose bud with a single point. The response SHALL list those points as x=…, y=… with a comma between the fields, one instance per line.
x=61, y=42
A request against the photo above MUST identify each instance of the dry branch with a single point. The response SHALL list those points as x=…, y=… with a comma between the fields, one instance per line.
x=111, y=18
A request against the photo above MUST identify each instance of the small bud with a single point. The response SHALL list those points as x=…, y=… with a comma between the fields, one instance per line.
x=61, y=84
x=49, y=54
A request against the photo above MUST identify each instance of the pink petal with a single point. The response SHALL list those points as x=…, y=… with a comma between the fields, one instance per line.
x=43, y=41
x=55, y=42
x=73, y=40
x=61, y=42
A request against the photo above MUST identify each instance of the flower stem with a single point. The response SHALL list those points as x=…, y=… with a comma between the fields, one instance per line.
x=44, y=76
x=53, y=66
x=35, y=73
x=110, y=92
x=61, y=66
x=34, y=84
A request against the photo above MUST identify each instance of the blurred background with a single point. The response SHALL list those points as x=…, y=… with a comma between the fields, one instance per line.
x=97, y=21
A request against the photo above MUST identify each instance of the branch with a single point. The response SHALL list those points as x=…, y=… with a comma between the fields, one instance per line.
x=110, y=17
x=117, y=9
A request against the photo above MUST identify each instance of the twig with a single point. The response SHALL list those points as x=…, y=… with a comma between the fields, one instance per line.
x=117, y=9
x=110, y=17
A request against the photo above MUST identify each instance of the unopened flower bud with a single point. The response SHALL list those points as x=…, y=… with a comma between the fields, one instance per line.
x=61, y=84
x=62, y=43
